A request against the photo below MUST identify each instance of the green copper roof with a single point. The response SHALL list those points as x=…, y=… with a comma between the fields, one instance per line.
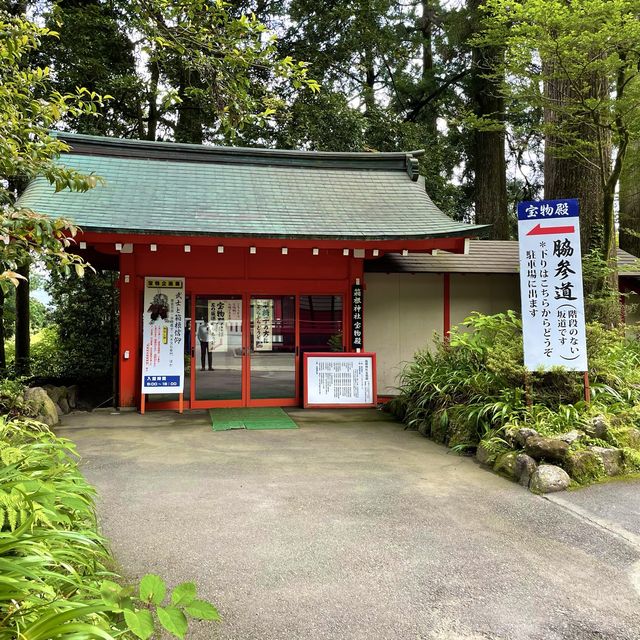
x=227, y=191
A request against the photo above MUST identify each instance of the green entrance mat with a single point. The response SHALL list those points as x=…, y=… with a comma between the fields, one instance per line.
x=250, y=418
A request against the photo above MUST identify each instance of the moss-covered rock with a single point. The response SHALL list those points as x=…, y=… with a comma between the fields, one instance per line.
x=631, y=460
x=612, y=459
x=597, y=427
x=42, y=405
x=424, y=428
x=548, y=478
x=546, y=449
x=506, y=465
x=461, y=432
x=629, y=437
x=440, y=426
x=484, y=455
x=584, y=466
x=525, y=468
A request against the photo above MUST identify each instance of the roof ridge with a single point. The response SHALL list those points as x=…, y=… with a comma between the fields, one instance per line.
x=82, y=144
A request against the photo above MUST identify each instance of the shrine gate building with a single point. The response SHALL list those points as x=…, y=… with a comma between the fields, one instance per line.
x=276, y=240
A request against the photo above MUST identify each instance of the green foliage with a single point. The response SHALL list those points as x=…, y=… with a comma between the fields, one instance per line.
x=28, y=110
x=47, y=358
x=474, y=387
x=38, y=314
x=578, y=61
x=93, y=50
x=86, y=316
x=631, y=460
x=56, y=580
x=219, y=65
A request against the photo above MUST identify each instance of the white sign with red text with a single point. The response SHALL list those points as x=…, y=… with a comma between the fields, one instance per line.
x=551, y=285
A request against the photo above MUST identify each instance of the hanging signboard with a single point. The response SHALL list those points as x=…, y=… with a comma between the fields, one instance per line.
x=225, y=317
x=356, y=317
x=345, y=380
x=551, y=285
x=163, y=335
x=263, y=324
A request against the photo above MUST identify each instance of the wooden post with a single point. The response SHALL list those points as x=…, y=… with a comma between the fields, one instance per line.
x=143, y=397
x=587, y=388
x=181, y=402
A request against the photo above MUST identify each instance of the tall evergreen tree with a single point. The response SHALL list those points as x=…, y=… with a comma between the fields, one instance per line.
x=489, y=152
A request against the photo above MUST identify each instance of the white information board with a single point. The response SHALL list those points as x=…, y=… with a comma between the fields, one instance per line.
x=551, y=285
x=163, y=335
x=346, y=380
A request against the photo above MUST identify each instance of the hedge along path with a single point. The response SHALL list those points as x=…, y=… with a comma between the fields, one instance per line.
x=54, y=576
x=469, y=394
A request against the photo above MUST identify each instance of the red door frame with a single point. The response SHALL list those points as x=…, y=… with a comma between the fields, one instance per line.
x=255, y=289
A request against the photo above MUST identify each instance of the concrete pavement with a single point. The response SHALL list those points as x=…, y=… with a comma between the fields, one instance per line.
x=352, y=527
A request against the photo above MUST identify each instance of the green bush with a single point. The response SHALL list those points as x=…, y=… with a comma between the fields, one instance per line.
x=86, y=314
x=54, y=566
x=475, y=387
x=47, y=358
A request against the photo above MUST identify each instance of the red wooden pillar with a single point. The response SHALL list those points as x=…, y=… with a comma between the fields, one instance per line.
x=129, y=330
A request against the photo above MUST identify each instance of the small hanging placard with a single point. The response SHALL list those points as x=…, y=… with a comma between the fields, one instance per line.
x=356, y=317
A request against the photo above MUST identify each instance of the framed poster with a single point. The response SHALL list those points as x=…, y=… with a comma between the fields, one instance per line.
x=163, y=335
x=333, y=380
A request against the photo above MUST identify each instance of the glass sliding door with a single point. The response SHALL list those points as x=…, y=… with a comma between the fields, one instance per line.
x=272, y=347
x=218, y=353
x=321, y=323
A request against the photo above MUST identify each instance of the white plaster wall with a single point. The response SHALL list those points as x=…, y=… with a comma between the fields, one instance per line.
x=485, y=293
x=401, y=313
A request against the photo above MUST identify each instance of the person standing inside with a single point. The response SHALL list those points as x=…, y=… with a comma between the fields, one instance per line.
x=204, y=336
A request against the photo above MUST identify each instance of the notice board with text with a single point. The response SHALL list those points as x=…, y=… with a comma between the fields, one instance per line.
x=333, y=380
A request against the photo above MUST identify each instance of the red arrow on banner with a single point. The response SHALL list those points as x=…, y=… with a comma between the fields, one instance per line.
x=539, y=230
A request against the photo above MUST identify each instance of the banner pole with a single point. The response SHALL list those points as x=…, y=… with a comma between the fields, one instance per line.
x=587, y=388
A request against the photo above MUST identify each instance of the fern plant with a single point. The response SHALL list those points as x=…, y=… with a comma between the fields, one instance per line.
x=55, y=580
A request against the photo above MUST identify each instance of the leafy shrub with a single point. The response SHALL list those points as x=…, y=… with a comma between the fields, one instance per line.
x=475, y=387
x=86, y=314
x=54, y=564
x=47, y=357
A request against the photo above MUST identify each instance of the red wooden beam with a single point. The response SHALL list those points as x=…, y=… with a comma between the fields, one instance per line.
x=101, y=242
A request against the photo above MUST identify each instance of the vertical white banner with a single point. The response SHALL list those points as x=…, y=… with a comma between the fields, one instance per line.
x=225, y=318
x=551, y=291
x=163, y=335
x=263, y=324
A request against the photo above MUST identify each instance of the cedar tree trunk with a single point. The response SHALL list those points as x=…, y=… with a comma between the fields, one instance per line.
x=489, y=162
x=22, y=323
